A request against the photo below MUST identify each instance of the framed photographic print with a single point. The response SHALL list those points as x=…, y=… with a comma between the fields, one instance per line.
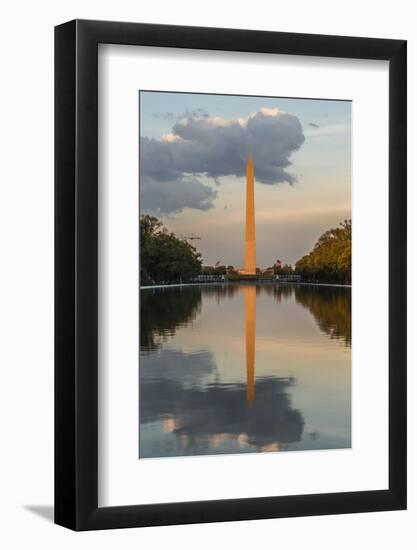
x=230, y=234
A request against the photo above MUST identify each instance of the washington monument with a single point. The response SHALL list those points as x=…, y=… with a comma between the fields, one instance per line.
x=250, y=251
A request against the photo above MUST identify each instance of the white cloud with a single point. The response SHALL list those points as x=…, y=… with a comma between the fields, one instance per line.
x=216, y=147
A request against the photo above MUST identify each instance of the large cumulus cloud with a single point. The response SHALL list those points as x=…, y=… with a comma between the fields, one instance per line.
x=215, y=147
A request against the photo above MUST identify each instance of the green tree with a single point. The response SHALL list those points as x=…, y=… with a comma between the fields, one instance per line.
x=330, y=259
x=164, y=257
x=149, y=228
x=220, y=270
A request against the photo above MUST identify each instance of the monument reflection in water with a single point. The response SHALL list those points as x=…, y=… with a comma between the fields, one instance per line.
x=240, y=368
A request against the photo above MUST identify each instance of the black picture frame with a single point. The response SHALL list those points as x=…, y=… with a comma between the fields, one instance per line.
x=76, y=273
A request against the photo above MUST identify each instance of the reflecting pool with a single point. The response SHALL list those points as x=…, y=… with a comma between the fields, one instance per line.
x=236, y=368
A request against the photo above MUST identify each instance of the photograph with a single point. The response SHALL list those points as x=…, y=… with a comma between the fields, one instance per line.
x=245, y=268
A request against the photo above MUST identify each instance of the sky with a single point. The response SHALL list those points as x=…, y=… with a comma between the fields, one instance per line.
x=193, y=151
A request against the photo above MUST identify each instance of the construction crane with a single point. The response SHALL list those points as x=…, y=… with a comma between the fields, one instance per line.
x=191, y=237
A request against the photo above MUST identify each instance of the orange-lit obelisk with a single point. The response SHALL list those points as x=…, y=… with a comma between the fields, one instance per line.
x=250, y=254
x=250, y=317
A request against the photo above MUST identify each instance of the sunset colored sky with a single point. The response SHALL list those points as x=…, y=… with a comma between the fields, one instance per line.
x=193, y=151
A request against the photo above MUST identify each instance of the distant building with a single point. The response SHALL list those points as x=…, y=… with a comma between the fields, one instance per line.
x=209, y=278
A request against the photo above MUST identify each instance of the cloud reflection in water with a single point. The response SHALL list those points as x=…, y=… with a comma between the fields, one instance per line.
x=204, y=419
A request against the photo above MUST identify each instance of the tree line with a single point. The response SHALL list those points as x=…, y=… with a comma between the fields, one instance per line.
x=164, y=258
x=331, y=258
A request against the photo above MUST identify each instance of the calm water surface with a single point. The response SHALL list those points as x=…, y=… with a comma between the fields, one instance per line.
x=238, y=368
